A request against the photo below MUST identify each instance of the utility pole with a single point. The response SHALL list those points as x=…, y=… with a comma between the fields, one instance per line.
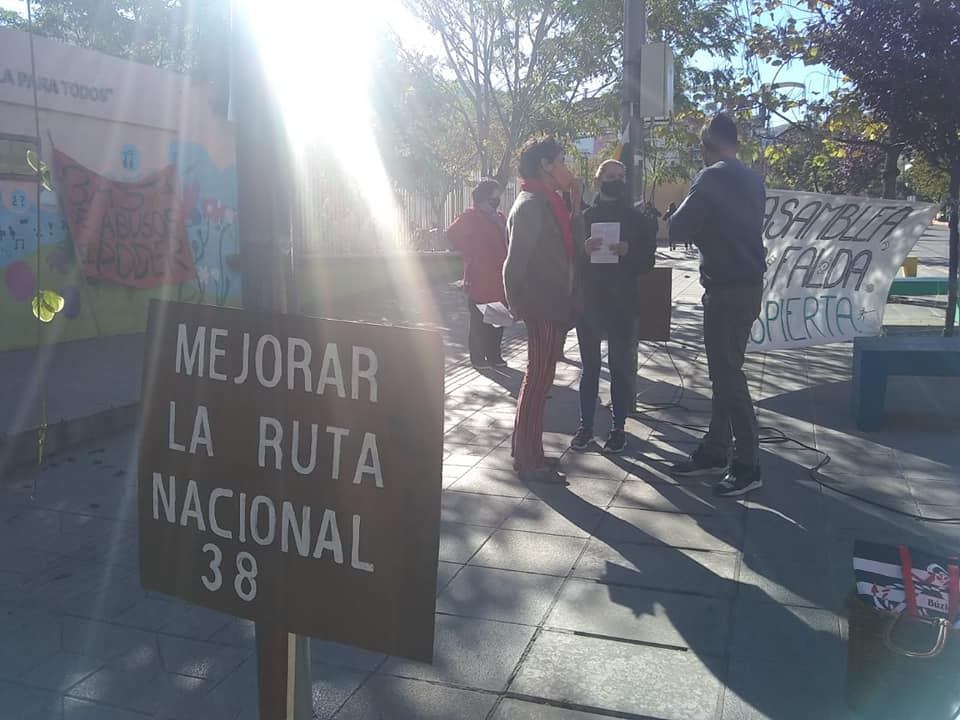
x=634, y=35
x=266, y=259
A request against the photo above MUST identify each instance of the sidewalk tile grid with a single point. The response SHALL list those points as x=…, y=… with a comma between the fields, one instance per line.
x=624, y=593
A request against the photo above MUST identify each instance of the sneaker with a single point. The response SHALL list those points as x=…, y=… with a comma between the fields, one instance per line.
x=616, y=442
x=582, y=440
x=740, y=480
x=698, y=465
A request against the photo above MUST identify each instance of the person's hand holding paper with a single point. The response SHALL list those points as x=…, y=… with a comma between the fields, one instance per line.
x=604, y=242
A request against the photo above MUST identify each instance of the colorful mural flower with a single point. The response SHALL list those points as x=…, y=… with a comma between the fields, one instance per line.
x=20, y=280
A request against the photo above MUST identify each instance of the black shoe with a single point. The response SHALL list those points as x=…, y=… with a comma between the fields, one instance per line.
x=482, y=365
x=698, y=465
x=740, y=480
x=499, y=363
x=582, y=440
x=616, y=442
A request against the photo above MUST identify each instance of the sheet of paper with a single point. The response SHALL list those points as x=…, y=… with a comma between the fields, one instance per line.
x=609, y=232
x=496, y=314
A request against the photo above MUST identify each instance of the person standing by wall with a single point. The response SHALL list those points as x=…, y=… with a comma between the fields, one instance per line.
x=543, y=229
x=607, y=304
x=723, y=216
x=479, y=234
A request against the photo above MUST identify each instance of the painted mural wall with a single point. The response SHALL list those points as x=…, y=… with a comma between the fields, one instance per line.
x=125, y=122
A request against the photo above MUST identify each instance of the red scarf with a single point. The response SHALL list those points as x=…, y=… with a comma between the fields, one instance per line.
x=560, y=210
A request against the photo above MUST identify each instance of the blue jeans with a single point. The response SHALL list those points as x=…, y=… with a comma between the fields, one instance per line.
x=619, y=331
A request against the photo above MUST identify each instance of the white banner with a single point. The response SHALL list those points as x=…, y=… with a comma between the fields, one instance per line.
x=830, y=262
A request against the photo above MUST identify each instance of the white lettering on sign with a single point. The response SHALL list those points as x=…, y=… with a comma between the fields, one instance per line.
x=256, y=507
x=191, y=507
x=338, y=434
x=257, y=519
x=217, y=494
x=172, y=430
x=830, y=263
x=199, y=355
x=299, y=346
x=272, y=442
x=369, y=461
x=201, y=431
x=190, y=356
x=299, y=528
x=331, y=372
x=369, y=373
x=329, y=538
x=245, y=582
x=274, y=344
x=216, y=352
x=304, y=468
x=215, y=581
x=355, y=562
x=165, y=496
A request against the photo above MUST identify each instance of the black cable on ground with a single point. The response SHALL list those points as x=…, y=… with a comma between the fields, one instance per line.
x=770, y=436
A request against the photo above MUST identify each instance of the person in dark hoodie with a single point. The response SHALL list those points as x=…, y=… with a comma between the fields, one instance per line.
x=607, y=299
x=723, y=216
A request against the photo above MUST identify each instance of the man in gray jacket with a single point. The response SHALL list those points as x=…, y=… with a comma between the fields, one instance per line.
x=723, y=216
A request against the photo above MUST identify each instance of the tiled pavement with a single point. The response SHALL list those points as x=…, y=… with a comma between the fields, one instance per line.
x=622, y=594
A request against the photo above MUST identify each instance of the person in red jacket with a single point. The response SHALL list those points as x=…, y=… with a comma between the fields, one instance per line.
x=479, y=234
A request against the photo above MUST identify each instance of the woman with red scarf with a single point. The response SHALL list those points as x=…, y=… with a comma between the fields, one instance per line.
x=538, y=279
x=480, y=236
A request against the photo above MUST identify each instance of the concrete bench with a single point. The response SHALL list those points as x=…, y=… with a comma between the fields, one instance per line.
x=877, y=358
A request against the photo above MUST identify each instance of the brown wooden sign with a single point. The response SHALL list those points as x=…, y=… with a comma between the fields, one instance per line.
x=290, y=472
x=654, y=303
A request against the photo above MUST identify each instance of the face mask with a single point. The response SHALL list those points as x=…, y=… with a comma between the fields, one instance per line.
x=613, y=188
x=495, y=203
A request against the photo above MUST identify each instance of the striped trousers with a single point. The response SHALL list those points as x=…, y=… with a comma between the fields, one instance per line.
x=543, y=340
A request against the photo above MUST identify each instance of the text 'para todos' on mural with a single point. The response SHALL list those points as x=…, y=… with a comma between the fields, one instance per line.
x=291, y=464
x=830, y=263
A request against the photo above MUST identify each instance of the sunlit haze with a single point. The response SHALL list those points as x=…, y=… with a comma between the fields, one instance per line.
x=320, y=67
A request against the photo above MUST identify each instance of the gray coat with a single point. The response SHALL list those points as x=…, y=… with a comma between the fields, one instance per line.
x=538, y=275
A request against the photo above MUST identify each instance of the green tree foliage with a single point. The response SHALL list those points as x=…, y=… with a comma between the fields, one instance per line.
x=526, y=66
x=926, y=181
x=902, y=57
x=799, y=160
x=419, y=126
x=183, y=35
x=515, y=60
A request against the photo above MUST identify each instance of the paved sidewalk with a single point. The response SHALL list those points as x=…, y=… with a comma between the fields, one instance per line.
x=623, y=594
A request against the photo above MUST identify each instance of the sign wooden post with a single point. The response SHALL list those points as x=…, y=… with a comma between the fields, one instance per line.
x=262, y=147
x=290, y=473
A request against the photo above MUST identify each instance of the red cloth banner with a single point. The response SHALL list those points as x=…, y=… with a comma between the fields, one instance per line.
x=128, y=233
